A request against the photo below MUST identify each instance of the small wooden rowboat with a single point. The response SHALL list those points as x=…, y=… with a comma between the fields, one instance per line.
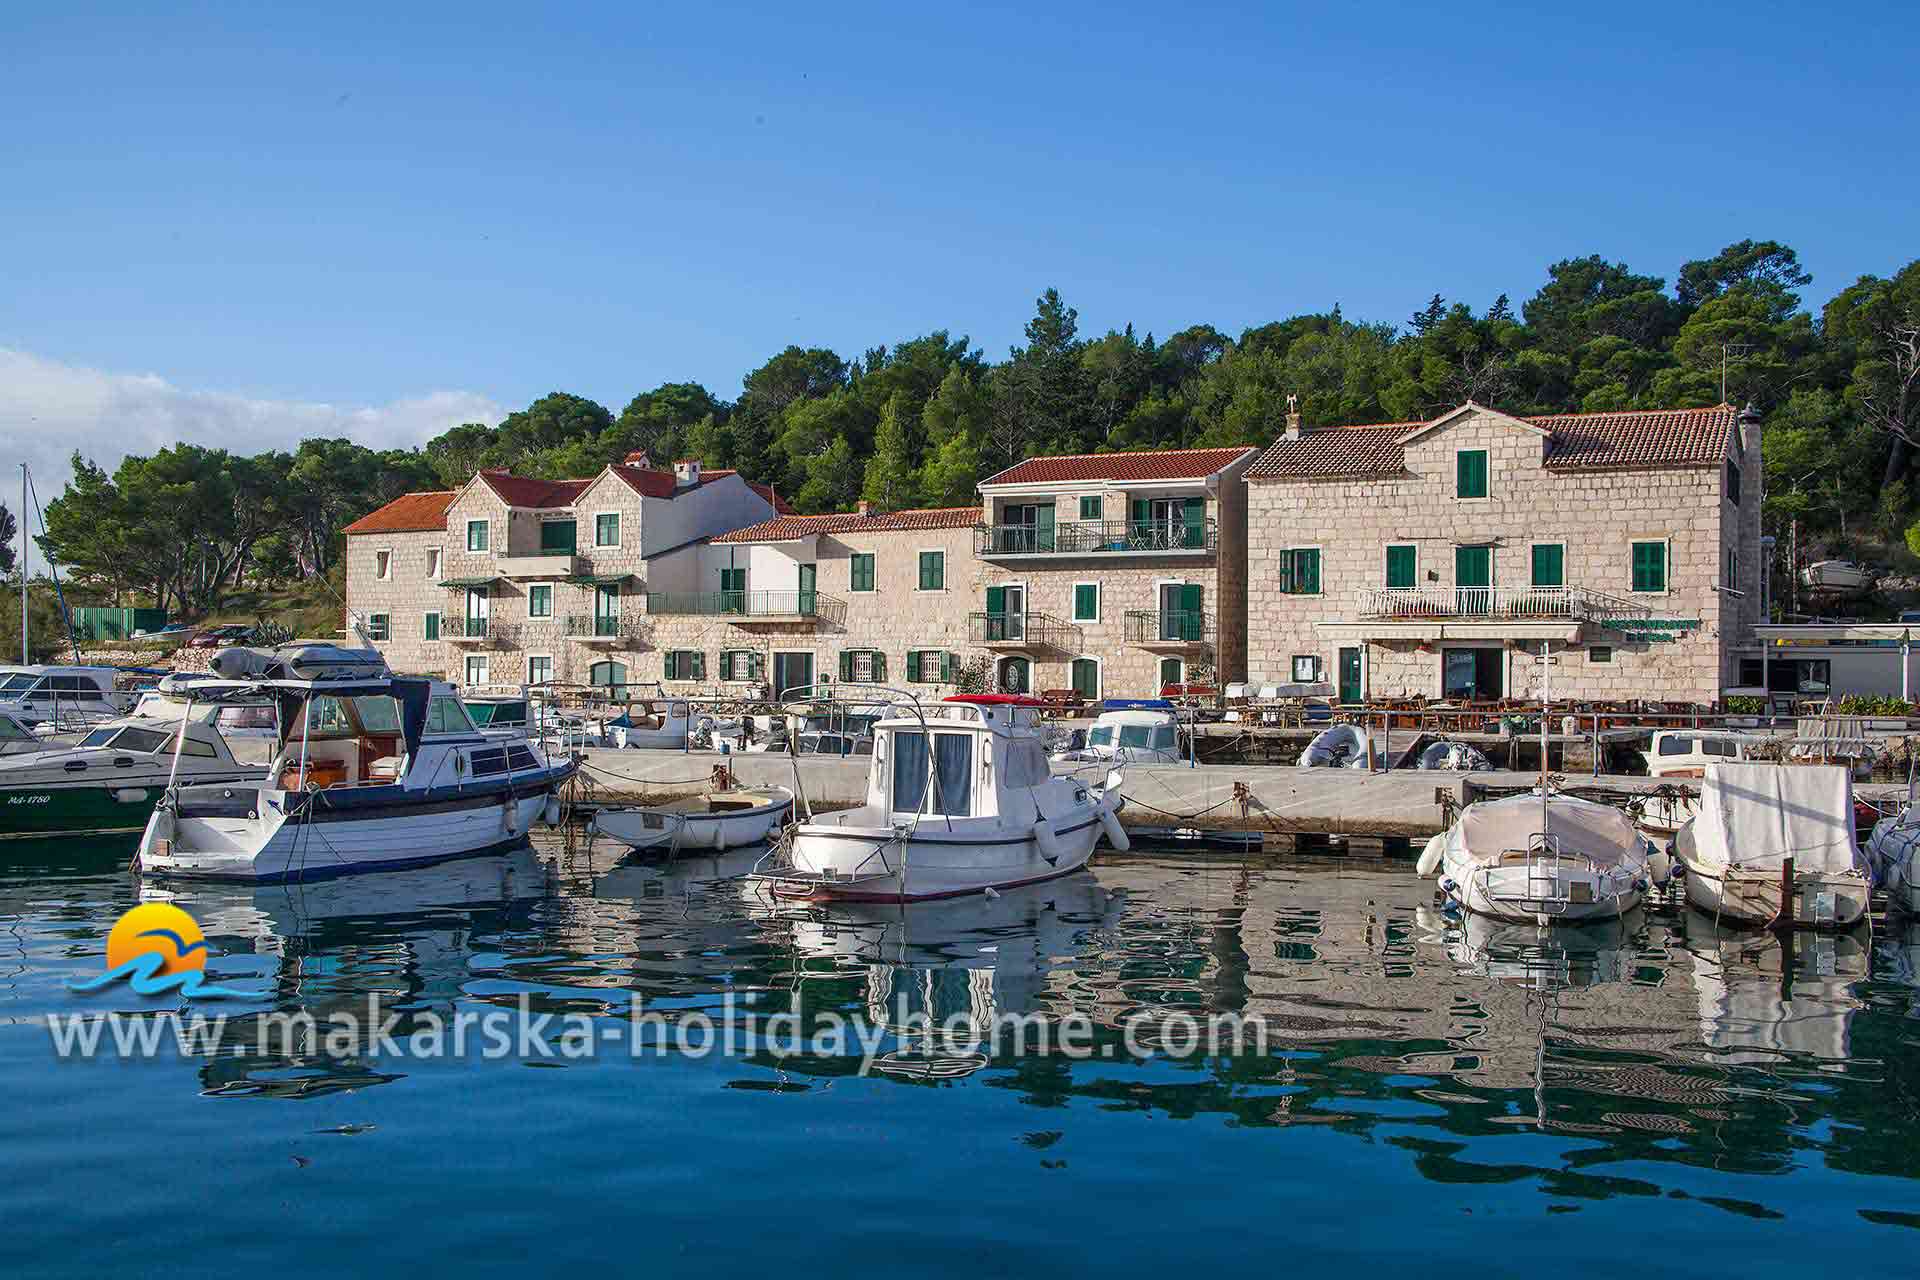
x=732, y=819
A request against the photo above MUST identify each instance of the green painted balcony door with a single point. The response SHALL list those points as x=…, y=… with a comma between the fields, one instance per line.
x=606, y=611
x=1473, y=579
x=733, y=591
x=809, y=587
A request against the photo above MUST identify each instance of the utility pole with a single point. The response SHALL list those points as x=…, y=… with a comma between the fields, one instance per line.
x=1730, y=350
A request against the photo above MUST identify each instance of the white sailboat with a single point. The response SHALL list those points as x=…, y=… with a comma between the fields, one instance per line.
x=959, y=800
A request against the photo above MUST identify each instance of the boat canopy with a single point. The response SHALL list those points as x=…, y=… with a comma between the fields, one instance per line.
x=1598, y=831
x=1755, y=816
x=412, y=695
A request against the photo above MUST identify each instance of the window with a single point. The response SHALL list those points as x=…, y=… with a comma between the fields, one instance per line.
x=556, y=537
x=1086, y=602
x=863, y=666
x=1090, y=507
x=1733, y=482
x=933, y=571
x=540, y=601
x=1470, y=473
x=1300, y=571
x=860, y=571
x=1172, y=671
x=606, y=529
x=1401, y=566
x=433, y=564
x=686, y=664
x=952, y=769
x=383, y=565
x=476, y=535
x=609, y=675
x=380, y=627
x=1306, y=668
x=1733, y=570
x=1649, y=566
x=446, y=715
x=1600, y=653
x=539, y=670
x=431, y=630
x=1549, y=564
x=930, y=666
x=742, y=664
x=1086, y=678
x=476, y=668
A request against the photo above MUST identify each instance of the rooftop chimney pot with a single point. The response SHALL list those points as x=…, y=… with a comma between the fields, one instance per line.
x=686, y=473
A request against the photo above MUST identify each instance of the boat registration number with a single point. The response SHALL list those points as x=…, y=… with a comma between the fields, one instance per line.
x=39, y=799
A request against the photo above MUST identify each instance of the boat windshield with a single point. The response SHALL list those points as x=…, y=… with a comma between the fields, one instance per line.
x=16, y=682
x=953, y=757
x=142, y=740
x=446, y=715
x=98, y=738
x=1101, y=736
x=1136, y=735
x=329, y=716
x=11, y=730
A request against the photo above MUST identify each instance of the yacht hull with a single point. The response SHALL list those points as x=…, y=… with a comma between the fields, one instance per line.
x=92, y=807
x=855, y=864
x=1567, y=894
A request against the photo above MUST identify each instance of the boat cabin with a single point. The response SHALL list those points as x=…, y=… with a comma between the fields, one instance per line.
x=971, y=756
x=372, y=732
x=38, y=694
x=1686, y=753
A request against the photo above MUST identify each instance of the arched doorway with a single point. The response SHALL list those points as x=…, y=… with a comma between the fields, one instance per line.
x=1016, y=675
x=609, y=675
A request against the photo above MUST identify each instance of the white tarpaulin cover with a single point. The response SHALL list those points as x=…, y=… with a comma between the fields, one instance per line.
x=1599, y=831
x=1754, y=816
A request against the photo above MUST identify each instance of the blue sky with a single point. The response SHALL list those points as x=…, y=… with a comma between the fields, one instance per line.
x=276, y=219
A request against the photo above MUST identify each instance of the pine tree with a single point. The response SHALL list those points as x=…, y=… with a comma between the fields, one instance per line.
x=890, y=481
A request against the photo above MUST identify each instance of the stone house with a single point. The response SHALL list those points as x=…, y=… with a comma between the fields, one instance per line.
x=1436, y=559
x=1114, y=574
x=865, y=597
x=512, y=580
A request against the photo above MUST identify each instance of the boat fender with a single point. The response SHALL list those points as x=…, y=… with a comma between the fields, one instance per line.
x=1048, y=842
x=1116, y=834
x=1430, y=857
x=551, y=813
x=993, y=894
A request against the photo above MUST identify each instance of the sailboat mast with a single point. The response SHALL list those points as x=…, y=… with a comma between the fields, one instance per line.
x=1546, y=700
x=23, y=564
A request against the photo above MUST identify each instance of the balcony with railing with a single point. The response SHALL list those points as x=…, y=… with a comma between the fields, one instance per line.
x=744, y=607
x=1168, y=628
x=1024, y=631
x=1097, y=538
x=1576, y=604
x=596, y=628
x=542, y=564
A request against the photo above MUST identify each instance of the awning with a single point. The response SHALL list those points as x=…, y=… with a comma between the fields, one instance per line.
x=601, y=579
x=455, y=583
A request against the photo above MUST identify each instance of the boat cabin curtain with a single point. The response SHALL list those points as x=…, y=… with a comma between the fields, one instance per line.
x=953, y=757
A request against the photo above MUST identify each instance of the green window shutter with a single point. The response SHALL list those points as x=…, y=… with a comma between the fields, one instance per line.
x=1649, y=566
x=1471, y=473
x=879, y=668
x=939, y=559
x=1196, y=524
x=913, y=666
x=1190, y=609
x=1141, y=511
x=1306, y=571
x=1043, y=537
x=726, y=664
x=996, y=600
x=948, y=661
x=1090, y=508
x=1086, y=602
x=846, y=664
x=1549, y=566
x=699, y=664
x=668, y=667
x=756, y=665
x=1400, y=567
x=433, y=626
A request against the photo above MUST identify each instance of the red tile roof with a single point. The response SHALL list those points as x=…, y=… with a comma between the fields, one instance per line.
x=650, y=483
x=788, y=527
x=525, y=491
x=408, y=513
x=1169, y=464
x=1637, y=440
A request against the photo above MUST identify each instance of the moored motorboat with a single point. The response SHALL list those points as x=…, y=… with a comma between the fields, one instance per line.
x=1129, y=731
x=370, y=773
x=1675, y=754
x=1541, y=859
x=1774, y=845
x=1893, y=856
x=732, y=819
x=959, y=800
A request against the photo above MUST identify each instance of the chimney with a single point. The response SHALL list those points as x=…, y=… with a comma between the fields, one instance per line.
x=639, y=458
x=686, y=473
x=1293, y=416
x=864, y=507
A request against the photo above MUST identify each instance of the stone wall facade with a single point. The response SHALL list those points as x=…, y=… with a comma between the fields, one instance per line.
x=1595, y=515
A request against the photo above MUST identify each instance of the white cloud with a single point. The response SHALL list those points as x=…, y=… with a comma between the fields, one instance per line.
x=49, y=409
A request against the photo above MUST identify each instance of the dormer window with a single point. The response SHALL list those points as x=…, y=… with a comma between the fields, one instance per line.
x=1470, y=473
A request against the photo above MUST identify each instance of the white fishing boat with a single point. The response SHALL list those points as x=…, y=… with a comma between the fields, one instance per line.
x=959, y=800
x=1139, y=731
x=732, y=819
x=370, y=773
x=1774, y=845
x=1344, y=746
x=62, y=699
x=1683, y=754
x=1453, y=757
x=1542, y=858
x=1834, y=575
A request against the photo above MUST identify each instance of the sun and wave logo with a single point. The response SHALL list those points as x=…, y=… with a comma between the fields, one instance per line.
x=157, y=948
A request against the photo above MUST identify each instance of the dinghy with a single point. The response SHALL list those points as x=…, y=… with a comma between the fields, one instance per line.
x=1342, y=747
x=1541, y=859
x=959, y=800
x=1774, y=845
x=1893, y=856
x=733, y=819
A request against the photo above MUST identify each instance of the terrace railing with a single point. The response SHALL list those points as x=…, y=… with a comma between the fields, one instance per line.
x=595, y=626
x=1576, y=603
x=748, y=604
x=1096, y=537
x=1024, y=631
x=1167, y=626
